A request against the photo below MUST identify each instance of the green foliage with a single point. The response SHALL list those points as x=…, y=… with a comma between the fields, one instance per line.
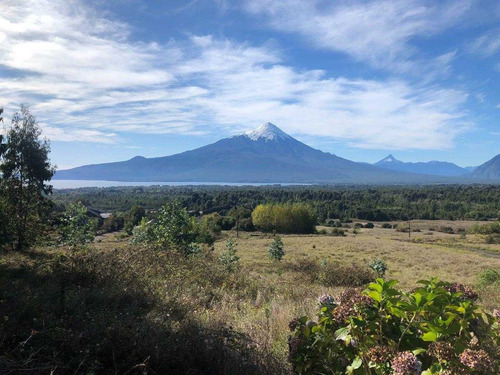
x=25, y=169
x=488, y=277
x=228, y=257
x=174, y=229
x=276, y=251
x=113, y=223
x=369, y=225
x=386, y=226
x=437, y=328
x=285, y=218
x=490, y=228
x=77, y=229
x=143, y=234
x=370, y=203
x=379, y=266
x=133, y=217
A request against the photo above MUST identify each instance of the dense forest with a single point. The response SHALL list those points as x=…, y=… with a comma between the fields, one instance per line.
x=473, y=202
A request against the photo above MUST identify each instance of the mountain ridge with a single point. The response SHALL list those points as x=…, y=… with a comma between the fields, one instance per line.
x=263, y=155
x=432, y=168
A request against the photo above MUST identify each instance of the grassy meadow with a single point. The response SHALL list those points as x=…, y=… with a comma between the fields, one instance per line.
x=122, y=308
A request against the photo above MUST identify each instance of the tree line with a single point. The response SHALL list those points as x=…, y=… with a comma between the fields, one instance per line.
x=443, y=202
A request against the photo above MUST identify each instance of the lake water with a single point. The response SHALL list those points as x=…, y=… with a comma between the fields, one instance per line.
x=74, y=184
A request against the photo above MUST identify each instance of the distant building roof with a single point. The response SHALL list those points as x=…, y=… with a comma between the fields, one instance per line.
x=96, y=213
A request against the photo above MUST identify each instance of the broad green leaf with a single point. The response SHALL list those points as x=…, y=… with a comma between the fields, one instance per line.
x=375, y=296
x=429, y=336
x=356, y=363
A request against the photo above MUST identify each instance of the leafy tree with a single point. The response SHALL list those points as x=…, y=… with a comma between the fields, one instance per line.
x=275, y=250
x=133, y=218
x=77, y=228
x=26, y=169
x=174, y=228
x=285, y=218
x=143, y=234
x=228, y=257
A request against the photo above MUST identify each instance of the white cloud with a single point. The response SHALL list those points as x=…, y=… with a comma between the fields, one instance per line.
x=487, y=44
x=377, y=32
x=88, y=81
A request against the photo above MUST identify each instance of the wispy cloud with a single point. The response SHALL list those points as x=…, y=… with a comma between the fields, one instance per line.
x=487, y=44
x=380, y=33
x=89, y=81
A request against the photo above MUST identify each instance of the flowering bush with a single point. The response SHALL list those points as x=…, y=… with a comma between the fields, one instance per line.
x=435, y=329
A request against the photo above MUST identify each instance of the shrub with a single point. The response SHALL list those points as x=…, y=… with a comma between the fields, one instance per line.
x=402, y=227
x=382, y=330
x=323, y=231
x=77, y=229
x=358, y=226
x=369, y=225
x=275, y=250
x=113, y=223
x=285, y=218
x=143, y=234
x=337, y=232
x=132, y=218
x=492, y=239
x=444, y=229
x=379, y=266
x=334, y=274
x=228, y=257
x=490, y=228
x=386, y=226
x=488, y=277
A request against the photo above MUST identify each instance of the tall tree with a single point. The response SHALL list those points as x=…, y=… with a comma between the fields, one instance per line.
x=26, y=168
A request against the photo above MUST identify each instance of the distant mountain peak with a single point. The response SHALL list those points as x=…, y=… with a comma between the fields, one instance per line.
x=388, y=159
x=267, y=132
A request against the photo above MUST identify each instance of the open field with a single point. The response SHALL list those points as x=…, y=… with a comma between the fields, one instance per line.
x=160, y=297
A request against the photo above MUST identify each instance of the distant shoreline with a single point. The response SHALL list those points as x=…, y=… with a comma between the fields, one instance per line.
x=75, y=184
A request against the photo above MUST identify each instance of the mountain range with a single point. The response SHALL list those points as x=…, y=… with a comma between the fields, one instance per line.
x=269, y=155
x=434, y=168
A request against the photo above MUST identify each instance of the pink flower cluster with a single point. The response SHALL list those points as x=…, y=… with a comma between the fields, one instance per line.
x=477, y=360
x=467, y=292
x=406, y=363
x=347, y=302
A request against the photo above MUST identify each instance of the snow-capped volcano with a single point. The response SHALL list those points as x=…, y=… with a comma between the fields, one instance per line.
x=266, y=154
x=267, y=132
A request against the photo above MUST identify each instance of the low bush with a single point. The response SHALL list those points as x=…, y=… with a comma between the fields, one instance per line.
x=337, y=232
x=386, y=226
x=334, y=274
x=379, y=266
x=369, y=225
x=402, y=227
x=445, y=229
x=358, y=226
x=435, y=329
x=492, y=239
x=490, y=228
x=488, y=277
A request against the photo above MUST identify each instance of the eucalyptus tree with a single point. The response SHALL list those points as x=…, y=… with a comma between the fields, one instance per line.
x=25, y=169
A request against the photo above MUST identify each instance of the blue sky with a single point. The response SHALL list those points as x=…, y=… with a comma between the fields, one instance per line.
x=109, y=80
